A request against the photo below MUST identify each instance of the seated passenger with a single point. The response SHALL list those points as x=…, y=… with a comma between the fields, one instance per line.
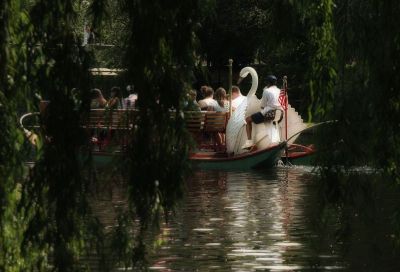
x=191, y=104
x=208, y=103
x=97, y=101
x=97, y=134
x=130, y=101
x=221, y=98
x=115, y=99
x=201, y=92
x=223, y=106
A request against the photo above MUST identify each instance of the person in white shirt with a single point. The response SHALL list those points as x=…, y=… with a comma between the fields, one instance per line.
x=208, y=103
x=237, y=97
x=130, y=101
x=269, y=101
x=88, y=35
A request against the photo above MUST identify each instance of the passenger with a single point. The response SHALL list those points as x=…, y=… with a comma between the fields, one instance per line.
x=202, y=92
x=208, y=103
x=221, y=98
x=115, y=99
x=223, y=106
x=191, y=104
x=130, y=101
x=237, y=97
x=269, y=101
x=98, y=101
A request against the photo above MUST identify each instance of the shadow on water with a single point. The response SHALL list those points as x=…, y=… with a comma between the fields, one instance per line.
x=275, y=220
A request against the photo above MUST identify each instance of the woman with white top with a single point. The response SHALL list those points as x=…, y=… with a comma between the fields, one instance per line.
x=221, y=98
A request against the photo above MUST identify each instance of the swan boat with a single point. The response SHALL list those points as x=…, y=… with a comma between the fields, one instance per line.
x=268, y=147
x=105, y=150
x=269, y=134
x=269, y=144
x=274, y=140
x=205, y=124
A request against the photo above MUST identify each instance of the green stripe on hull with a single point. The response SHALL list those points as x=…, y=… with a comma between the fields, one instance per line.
x=262, y=159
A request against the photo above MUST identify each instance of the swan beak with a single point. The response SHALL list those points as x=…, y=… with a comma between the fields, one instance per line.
x=239, y=80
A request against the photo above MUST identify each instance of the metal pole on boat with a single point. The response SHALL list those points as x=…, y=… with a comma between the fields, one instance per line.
x=230, y=86
x=285, y=86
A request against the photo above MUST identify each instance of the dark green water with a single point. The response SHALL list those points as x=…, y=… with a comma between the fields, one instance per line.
x=275, y=220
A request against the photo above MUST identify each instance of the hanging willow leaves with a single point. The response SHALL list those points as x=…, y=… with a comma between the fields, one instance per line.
x=54, y=200
x=14, y=97
x=360, y=40
x=160, y=59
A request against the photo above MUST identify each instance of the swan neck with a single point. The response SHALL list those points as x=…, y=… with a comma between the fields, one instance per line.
x=254, y=82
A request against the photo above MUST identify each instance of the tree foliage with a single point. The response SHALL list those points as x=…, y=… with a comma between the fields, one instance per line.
x=365, y=100
x=159, y=57
x=343, y=57
x=234, y=29
x=13, y=97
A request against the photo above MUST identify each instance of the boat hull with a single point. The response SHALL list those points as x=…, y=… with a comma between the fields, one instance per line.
x=299, y=155
x=265, y=158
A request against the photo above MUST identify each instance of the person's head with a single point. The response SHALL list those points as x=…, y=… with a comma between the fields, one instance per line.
x=220, y=96
x=235, y=92
x=130, y=89
x=115, y=92
x=203, y=91
x=192, y=95
x=209, y=92
x=271, y=80
x=96, y=93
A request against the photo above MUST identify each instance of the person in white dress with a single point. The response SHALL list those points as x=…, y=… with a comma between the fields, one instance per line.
x=237, y=97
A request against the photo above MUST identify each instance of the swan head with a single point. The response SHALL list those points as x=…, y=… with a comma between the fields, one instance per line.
x=244, y=73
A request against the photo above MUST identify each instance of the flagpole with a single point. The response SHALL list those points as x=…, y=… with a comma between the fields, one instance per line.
x=285, y=86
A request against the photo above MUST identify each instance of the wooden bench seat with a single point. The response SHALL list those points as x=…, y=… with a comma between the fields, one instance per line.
x=115, y=124
x=207, y=127
x=110, y=119
x=106, y=126
x=215, y=122
x=195, y=121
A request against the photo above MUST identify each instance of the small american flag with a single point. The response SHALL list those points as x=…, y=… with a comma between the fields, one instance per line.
x=283, y=99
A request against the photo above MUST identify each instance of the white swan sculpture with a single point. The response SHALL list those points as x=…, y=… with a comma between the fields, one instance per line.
x=263, y=134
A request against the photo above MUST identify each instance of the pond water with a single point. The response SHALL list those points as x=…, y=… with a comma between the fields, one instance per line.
x=275, y=220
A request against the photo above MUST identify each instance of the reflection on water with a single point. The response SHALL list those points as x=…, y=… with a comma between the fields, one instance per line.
x=256, y=221
x=235, y=221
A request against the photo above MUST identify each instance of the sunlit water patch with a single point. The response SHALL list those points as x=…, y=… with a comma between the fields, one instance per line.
x=272, y=220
